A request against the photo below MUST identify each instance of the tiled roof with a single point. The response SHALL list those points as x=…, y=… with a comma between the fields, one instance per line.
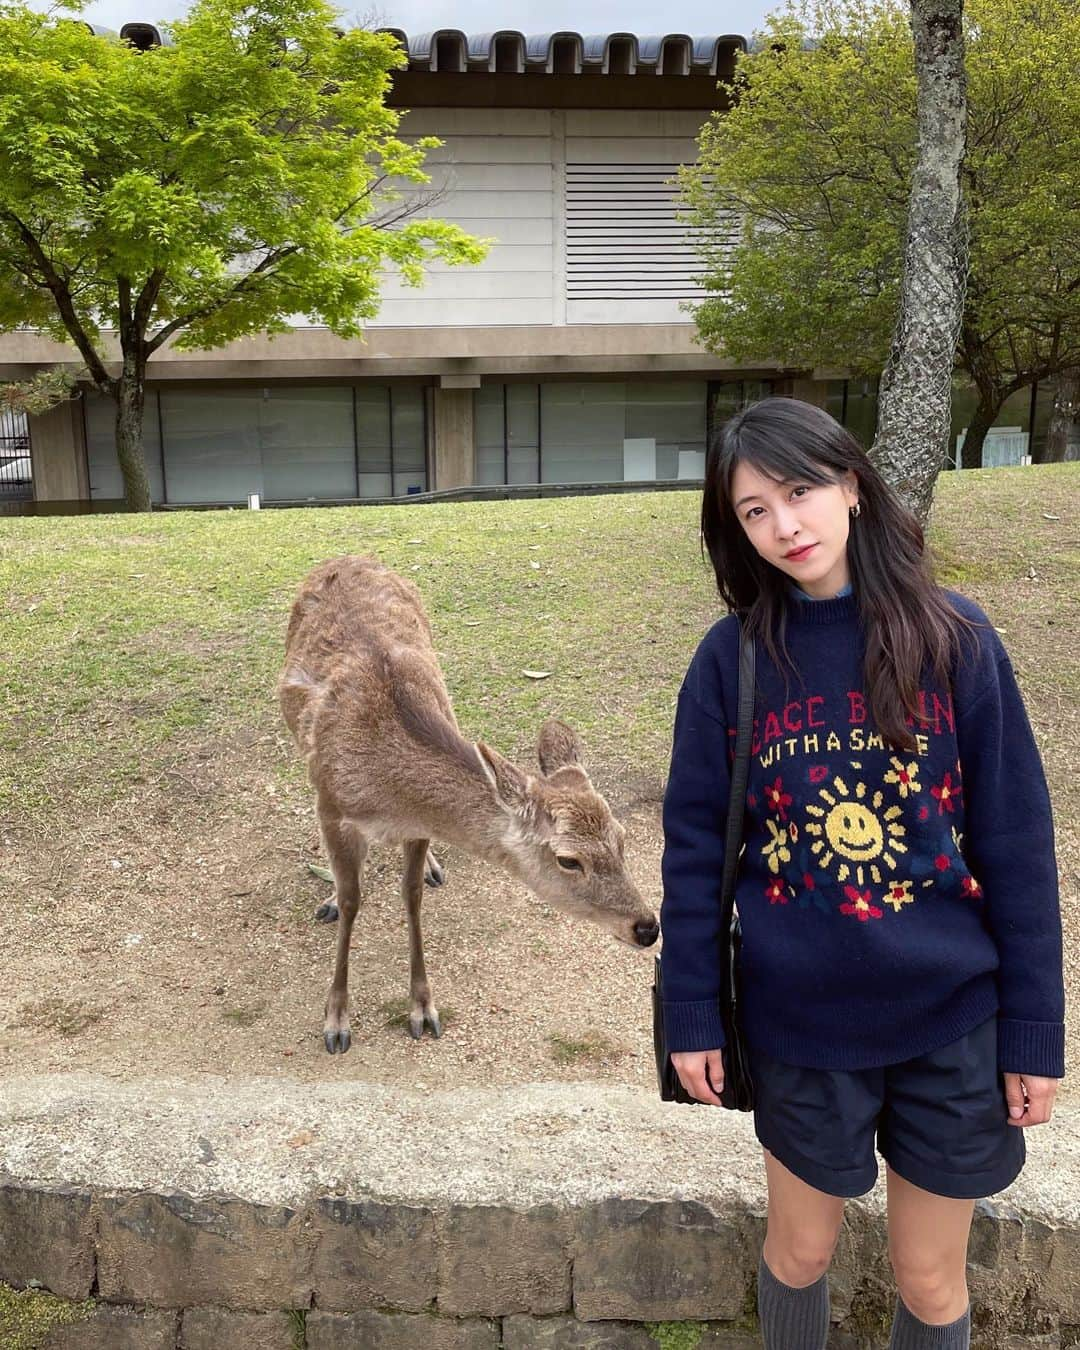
x=507, y=51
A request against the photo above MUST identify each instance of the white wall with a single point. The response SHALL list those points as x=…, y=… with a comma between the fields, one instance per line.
x=504, y=173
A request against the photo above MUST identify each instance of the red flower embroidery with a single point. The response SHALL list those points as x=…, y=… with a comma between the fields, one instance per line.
x=971, y=888
x=924, y=811
x=945, y=792
x=776, y=892
x=808, y=881
x=778, y=798
x=860, y=905
x=818, y=773
x=941, y=863
x=751, y=799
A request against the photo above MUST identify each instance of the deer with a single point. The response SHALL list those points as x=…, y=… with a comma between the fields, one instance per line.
x=364, y=697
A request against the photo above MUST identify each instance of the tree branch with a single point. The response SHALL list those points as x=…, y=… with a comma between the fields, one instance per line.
x=57, y=287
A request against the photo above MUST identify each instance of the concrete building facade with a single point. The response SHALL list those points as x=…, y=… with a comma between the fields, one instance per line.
x=566, y=356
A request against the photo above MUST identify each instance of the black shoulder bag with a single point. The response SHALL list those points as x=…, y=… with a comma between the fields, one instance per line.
x=738, y=1090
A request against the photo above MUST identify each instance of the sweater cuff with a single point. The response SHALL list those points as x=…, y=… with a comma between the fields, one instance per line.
x=1037, y=1048
x=693, y=1026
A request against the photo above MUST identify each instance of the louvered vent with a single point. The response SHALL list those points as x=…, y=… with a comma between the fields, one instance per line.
x=622, y=239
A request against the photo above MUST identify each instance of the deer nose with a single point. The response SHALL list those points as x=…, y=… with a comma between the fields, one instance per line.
x=646, y=932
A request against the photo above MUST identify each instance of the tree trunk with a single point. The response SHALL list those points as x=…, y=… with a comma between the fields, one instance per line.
x=130, y=395
x=982, y=419
x=1063, y=433
x=915, y=401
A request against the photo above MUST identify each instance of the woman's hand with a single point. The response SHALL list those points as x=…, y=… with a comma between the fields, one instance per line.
x=1031, y=1099
x=691, y=1065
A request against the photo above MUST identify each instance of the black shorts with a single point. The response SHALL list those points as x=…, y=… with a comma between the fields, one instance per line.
x=941, y=1120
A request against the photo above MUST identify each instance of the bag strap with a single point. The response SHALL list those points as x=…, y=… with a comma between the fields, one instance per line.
x=740, y=772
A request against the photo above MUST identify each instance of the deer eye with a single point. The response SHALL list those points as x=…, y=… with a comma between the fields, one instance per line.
x=567, y=863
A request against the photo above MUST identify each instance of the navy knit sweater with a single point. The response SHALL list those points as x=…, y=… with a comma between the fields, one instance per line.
x=890, y=900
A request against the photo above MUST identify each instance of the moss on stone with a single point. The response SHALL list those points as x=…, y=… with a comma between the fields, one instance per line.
x=675, y=1335
x=28, y=1315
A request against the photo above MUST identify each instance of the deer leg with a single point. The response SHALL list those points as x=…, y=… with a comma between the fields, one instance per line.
x=347, y=849
x=412, y=890
x=434, y=875
x=328, y=912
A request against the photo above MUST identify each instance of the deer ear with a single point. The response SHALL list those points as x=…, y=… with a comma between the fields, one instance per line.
x=510, y=784
x=558, y=747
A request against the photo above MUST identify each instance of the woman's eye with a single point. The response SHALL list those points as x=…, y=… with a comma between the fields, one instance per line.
x=752, y=513
x=567, y=863
x=797, y=492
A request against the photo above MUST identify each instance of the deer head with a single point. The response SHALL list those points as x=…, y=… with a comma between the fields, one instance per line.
x=563, y=842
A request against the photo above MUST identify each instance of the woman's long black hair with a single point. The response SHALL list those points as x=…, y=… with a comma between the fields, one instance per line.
x=911, y=629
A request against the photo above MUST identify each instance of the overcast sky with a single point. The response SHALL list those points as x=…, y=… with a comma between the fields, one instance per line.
x=696, y=17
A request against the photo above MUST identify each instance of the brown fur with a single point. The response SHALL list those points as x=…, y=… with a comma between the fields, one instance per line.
x=365, y=700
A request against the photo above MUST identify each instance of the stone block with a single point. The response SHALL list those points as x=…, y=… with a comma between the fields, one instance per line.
x=1060, y=1284
x=172, y=1251
x=112, y=1328
x=374, y=1255
x=223, y=1329
x=47, y=1237
x=567, y=1333
x=495, y=1261
x=639, y=1261
x=370, y=1330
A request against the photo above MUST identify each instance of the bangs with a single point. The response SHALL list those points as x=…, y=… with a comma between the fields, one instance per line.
x=784, y=443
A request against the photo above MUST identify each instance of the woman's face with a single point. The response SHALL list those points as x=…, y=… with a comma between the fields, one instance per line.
x=800, y=528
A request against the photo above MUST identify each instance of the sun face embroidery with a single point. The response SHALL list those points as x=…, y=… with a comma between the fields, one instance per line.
x=851, y=832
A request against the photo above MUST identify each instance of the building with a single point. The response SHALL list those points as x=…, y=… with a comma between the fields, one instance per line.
x=563, y=358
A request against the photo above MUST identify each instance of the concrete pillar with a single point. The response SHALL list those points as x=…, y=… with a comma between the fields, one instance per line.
x=58, y=454
x=809, y=391
x=454, y=452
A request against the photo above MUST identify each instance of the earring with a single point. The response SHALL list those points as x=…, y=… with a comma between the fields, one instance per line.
x=856, y=509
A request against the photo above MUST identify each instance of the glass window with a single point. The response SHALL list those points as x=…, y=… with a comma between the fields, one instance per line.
x=307, y=443
x=860, y=416
x=666, y=422
x=583, y=427
x=410, y=460
x=489, y=433
x=212, y=444
x=373, y=440
x=523, y=432
x=106, y=481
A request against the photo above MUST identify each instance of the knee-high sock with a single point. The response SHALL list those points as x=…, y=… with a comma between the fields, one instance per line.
x=792, y=1319
x=908, y=1333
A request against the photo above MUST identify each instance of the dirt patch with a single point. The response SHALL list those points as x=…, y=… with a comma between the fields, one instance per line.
x=175, y=936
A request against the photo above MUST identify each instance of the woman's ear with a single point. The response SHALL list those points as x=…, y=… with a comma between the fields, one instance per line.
x=850, y=483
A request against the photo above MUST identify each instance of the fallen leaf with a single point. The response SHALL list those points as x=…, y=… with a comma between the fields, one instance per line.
x=535, y=566
x=470, y=623
x=323, y=873
x=1047, y=516
x=536, y=674
x=304, y=1137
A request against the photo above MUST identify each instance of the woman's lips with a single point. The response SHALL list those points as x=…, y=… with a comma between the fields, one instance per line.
x=797, y=555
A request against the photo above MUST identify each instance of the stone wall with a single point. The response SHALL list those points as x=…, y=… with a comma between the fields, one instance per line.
x=168, y=1272
x=231, y=1214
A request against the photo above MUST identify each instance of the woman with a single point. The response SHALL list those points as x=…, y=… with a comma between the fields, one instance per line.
x=901, y=958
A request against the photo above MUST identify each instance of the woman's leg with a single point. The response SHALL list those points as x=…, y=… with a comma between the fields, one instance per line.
x=928, y=1241
x=793, y=1291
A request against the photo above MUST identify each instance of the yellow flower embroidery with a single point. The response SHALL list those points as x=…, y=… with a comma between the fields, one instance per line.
x=776, y=850
x=905, y=776
x=898, y=895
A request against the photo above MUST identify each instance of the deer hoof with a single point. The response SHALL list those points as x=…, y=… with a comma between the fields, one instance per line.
x=416, y=1025
x=337, y=1042
x=434, y=1023
x=326, y=913
x=433, y=872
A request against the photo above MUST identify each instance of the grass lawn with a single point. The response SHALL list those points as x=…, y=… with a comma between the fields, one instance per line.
x=140, y=656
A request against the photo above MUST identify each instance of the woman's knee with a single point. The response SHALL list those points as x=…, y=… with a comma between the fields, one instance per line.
x=798, y=1259
x=931, y=1288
